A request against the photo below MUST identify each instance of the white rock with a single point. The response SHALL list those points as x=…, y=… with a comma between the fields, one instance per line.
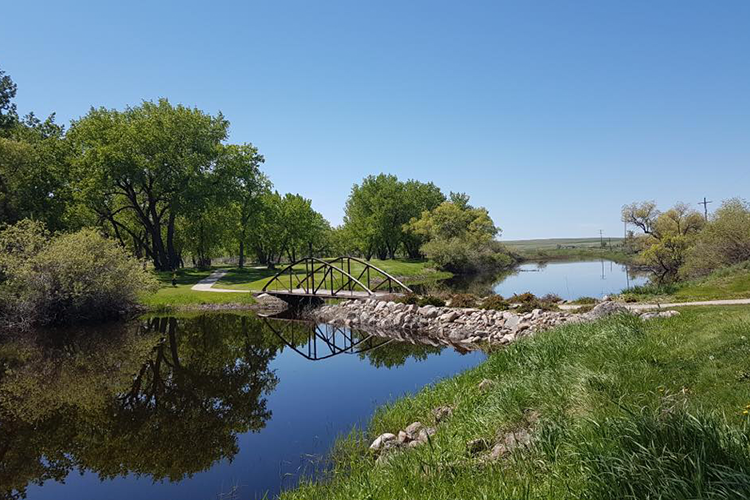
x=381, y=440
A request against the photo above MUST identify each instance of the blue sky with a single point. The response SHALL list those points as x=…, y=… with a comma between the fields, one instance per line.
x=552, y=114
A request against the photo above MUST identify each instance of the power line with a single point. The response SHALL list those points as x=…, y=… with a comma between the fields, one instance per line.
x=705, y=206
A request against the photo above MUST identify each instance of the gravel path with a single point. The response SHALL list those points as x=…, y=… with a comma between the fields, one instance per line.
x=727, y=302
x=667, y=305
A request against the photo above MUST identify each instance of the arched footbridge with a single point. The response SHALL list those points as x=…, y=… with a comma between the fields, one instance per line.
x=340, y=278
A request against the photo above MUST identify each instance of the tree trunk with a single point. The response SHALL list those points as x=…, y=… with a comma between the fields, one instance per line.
x=241, y=262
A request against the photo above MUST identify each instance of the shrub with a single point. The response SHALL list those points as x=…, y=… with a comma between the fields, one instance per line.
x=420, y=300
x=81, y=276
x=495, y=302
x=584, y=301
x=724, y=241
x=465, y=300
x=528, y=302
x=523, y=298
x=409, y=298
x=462, y=257
x=551, y=298
x=431, y=300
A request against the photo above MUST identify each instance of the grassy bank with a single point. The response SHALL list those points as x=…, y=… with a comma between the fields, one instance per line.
x=181, y=296
x=616, y=409
x=728, y=283
x=570, y=249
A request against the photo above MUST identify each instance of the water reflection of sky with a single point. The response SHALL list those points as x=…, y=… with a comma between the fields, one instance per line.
x=569, y=280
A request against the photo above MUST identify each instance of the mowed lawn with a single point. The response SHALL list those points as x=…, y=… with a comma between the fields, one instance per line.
x=408, y=271
x=169, y=296
x=254, y=278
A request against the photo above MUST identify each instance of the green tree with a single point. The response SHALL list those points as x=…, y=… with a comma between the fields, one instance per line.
x=724, y=241
x=377, y=210
x=241, y=164
x=8, y=114
x=459, y=237
x=286, y=225
x=145, y=162
x=665, y=236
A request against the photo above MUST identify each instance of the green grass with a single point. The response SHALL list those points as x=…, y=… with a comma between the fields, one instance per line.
x=170, y=297
x=409, y=271
x=626, y=409
x=728, y=283
x=173, y=297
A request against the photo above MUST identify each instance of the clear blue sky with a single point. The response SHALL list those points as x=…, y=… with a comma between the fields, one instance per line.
x=552, y=114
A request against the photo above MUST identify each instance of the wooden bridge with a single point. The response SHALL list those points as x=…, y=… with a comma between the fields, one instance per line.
x=340, y=278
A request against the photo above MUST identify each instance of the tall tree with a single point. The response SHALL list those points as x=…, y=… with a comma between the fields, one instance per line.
x=241, y=163
x=145, y=161
x=665, y=236
x=8, y=114
x=378, y=209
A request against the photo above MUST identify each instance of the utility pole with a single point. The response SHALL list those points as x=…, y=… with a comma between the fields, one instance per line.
x=601, y=239
x=705, y=207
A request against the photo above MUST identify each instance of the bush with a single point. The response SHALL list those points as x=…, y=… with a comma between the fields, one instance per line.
x=551, y=298
x=81, y=276
x=527, y=302
x=464, y=300
x=523, y=298
x=725, y=241
x=431, y=300
x=463, y=257
x=421, y=300
x=495, y=303
x=584, y=301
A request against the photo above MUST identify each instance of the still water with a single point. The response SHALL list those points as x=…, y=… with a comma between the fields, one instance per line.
x=569, y=280
x=205, y=407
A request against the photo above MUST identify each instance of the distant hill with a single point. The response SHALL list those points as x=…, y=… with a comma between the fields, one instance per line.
x=555, y=243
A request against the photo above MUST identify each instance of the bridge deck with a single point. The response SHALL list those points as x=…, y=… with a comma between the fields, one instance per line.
x=327, y=294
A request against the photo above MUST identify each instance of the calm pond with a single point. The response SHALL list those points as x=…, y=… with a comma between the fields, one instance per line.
x=569, y=280
x=217, y=405
x=205, y=407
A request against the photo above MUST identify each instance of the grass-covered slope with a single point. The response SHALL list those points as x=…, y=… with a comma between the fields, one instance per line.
x=621, y=409
x=727, y=283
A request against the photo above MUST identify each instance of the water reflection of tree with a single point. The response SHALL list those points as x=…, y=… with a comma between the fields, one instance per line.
x=398, y=353
x=111, y=409
x=478, y=284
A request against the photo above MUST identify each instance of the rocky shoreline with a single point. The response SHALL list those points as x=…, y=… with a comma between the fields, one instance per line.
x=466, y=327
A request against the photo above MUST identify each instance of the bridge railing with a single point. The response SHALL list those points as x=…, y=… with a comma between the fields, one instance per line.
x=334, y=277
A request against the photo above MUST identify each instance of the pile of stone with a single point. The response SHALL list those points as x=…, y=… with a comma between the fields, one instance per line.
x=455, y=325
x=467, y=327
x=414, y=435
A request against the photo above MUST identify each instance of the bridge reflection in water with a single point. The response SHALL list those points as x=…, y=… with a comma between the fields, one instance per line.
x=317, y=341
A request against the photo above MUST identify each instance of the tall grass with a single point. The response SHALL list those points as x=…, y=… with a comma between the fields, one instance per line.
x=622, y=409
